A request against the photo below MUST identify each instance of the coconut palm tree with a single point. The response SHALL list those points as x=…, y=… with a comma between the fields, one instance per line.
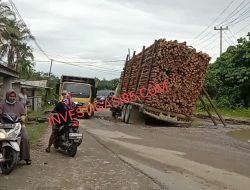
x=5, y=16
x=13, y=40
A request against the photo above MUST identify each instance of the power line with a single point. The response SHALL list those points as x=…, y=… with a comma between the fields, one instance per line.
x=231, y=14
x=100, y=67
x=211, y=24
x=87, y=64
x=242, y=28
x=231, y=41
x=46, y=55
x=97, y=67
x=232, y=34
x=32, y=37
x=239, y=21
x=225, y=40
x=238, y=17
x=204, y=39
x=104, y=71
x=212, y=47
x=236, y=20
x=209, y=44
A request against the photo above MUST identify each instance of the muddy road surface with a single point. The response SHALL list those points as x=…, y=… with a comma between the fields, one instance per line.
x=115, y=155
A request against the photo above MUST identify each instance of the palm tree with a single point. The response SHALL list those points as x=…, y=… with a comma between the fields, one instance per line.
x=13, y=40
x=5, y=15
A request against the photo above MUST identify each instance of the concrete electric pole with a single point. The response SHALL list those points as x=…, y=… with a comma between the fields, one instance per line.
x=221, y=29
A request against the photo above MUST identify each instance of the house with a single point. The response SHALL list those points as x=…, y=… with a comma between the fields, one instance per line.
x=7, y=74
x=34, y=90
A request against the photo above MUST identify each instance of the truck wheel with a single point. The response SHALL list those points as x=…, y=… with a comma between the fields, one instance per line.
x=147, y=119
x=90, y=113
x=128, y=113
x=123, y=112
x=113, y=113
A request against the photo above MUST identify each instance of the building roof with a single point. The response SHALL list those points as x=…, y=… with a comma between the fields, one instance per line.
x=32, y=84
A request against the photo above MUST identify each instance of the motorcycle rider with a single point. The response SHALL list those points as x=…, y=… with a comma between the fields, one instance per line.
x=10, y=105
x=61, y=107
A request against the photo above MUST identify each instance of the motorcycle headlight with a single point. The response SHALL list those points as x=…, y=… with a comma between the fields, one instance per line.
x=3, y=135
x=12, y=135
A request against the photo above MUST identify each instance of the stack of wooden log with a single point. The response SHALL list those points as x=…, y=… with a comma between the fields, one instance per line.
x=181, y=66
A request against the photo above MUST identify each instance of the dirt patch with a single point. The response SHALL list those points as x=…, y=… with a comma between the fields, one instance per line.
x=243, y=134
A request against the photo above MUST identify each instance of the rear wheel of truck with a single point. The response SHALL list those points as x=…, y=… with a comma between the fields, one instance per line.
x=123, y=112
x=128, y=113
x=113, y=113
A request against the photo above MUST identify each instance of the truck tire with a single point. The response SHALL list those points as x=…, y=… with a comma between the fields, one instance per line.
x=147, y=119
x=123, y=113
x=90, y=113
x=128, y=113
x=113, y=113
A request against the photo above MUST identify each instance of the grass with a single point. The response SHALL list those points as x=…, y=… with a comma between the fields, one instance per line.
x=35, y=132
x=243, y=134
x=35, y=114
x=237, y=113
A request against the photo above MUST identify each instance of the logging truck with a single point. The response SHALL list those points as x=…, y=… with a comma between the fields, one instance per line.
x=175, y=64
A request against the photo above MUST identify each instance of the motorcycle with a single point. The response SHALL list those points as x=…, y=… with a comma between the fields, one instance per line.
x=68, y=137
x=10, y=138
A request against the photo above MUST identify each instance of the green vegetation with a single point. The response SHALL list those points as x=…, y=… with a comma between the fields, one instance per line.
x=107, y=84
x=241, y=113
x=35, y=114
x=228, y=79
x=14, y=38
x=35, y=132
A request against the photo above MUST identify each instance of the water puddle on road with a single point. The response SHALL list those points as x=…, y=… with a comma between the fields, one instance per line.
x=243, y=134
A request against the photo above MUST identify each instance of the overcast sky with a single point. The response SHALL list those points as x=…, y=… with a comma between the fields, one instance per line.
x=103, y=30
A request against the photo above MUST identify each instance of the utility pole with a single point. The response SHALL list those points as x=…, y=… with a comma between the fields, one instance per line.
x=51, y=61
x=221, y=29
x=48, y=83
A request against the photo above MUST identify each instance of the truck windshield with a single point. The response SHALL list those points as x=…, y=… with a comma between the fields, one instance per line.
x=78, y=90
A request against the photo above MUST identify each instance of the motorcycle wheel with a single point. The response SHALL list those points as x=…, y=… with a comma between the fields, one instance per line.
x=11, y=157
x=72, y=150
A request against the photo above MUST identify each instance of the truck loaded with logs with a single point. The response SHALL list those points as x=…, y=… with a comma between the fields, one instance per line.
x=177, y=66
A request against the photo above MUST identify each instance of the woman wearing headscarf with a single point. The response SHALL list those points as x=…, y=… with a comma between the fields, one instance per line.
x=10, y=105
x=65, y=105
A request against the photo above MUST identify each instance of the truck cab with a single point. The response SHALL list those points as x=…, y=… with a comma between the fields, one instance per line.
x=82, y=90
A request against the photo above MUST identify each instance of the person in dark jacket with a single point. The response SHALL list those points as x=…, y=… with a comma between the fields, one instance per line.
x=61, y=107
x=10, y=105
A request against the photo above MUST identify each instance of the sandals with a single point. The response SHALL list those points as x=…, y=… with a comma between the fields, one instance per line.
x=47, y=150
